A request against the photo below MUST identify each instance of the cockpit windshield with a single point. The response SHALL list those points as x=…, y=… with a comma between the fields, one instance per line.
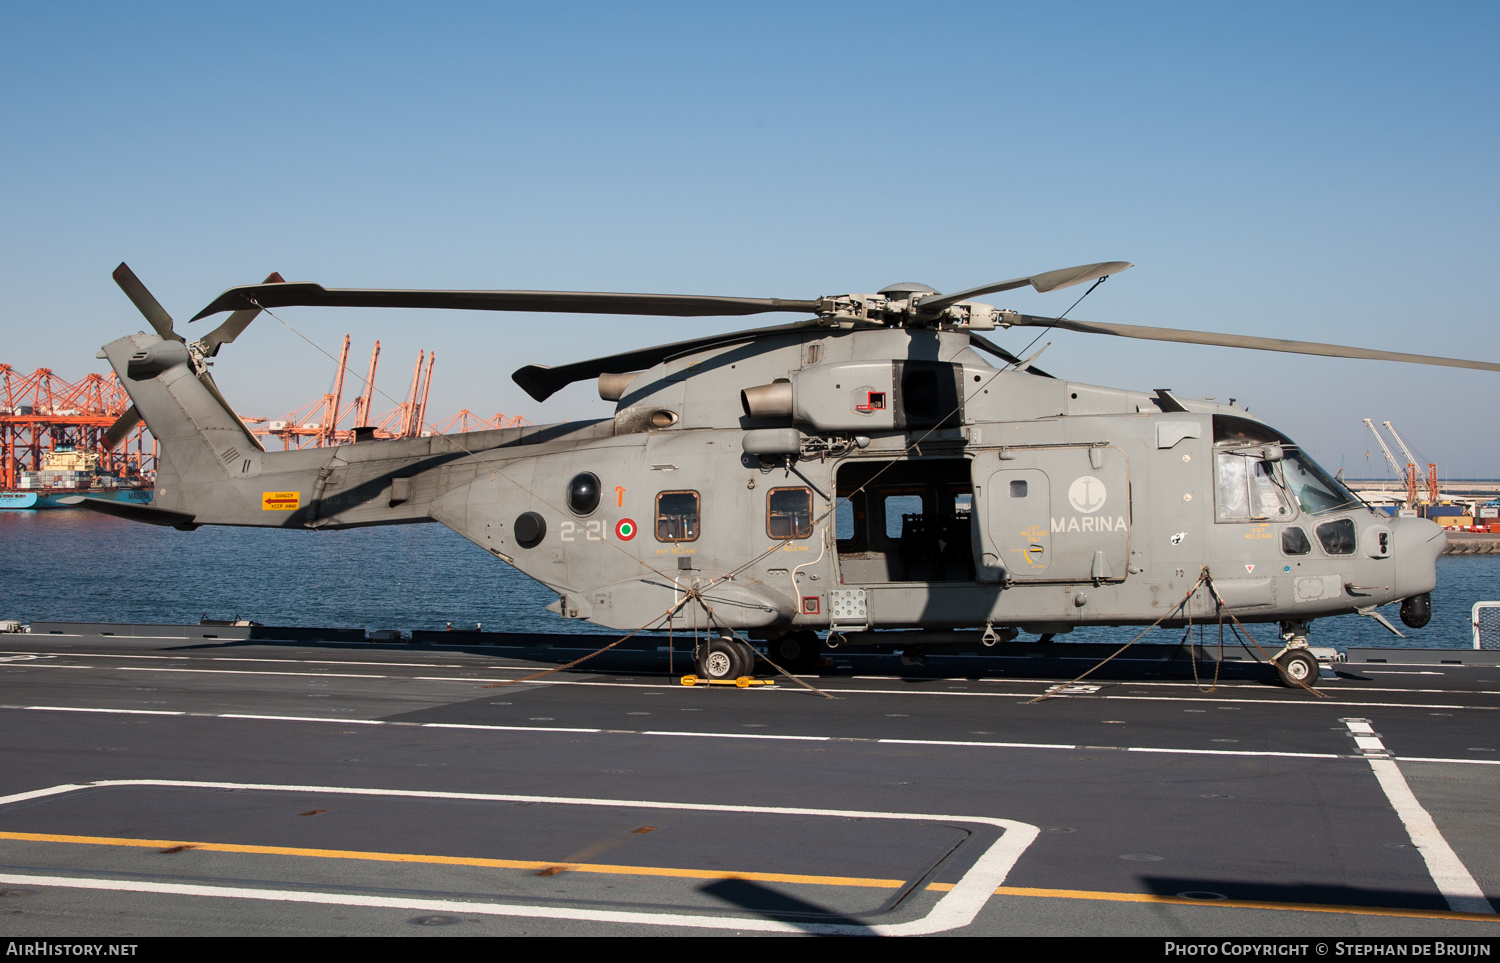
x=1254, y=460
x=1312, y=486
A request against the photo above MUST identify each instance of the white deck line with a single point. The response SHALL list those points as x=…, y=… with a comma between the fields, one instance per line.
x=1194, y=699
x=1448, y=872
x=956, y=908
x=315, y=675
x=767, y=736
x=129, y=712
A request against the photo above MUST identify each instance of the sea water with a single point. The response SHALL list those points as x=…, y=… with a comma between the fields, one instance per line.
x=77, y=566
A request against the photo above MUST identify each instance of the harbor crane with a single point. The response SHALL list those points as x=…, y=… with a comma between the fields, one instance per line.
x=1433, y=495
x=1408, y=473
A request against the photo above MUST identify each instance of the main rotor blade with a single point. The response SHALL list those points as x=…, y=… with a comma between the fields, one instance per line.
x=237, y=322
x=145, y=303
x=1048, y=281
x=571, y=302
x=122, y=427
x=542, y=382
x=1247, y=341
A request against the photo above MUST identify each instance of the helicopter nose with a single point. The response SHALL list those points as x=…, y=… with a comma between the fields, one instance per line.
x=1419, y=542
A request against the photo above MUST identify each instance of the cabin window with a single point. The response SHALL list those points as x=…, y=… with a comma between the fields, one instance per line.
x=843, y=518
x=789, y=513
x=902, y=512
x=677, y=516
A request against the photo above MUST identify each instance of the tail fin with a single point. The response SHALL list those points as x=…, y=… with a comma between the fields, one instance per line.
x=203, y=443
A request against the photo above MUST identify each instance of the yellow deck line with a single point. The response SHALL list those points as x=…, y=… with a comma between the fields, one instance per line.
x=666, y=871
x=460, y=860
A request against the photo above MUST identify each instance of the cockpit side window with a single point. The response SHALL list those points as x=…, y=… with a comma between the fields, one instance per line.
x=1249, y=489
x=1337, y=536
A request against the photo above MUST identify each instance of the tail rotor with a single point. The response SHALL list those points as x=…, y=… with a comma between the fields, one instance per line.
x=198, y=351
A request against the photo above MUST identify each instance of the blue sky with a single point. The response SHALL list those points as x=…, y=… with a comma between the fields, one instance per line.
x=1323, y=172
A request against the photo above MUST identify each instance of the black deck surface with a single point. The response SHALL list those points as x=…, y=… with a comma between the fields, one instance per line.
x=204, y=800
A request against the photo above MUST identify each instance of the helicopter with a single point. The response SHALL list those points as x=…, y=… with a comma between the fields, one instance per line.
x=876, y=472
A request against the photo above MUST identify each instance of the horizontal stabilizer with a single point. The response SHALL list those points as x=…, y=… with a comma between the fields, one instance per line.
x=132, y=511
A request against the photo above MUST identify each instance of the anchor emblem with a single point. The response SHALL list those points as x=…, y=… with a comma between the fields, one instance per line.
x=1087, y=494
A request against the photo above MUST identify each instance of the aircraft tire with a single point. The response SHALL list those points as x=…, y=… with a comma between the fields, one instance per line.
x=747, y=656
x=720, y=659
x=797, y=651
x=1297, y=668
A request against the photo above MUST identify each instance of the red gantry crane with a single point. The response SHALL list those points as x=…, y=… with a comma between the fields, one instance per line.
x=316, y=423
x=41, y=413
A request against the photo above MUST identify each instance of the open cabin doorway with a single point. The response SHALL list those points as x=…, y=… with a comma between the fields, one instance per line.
x=905, y=521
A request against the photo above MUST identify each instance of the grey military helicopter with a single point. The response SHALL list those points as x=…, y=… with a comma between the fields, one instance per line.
x=878, y=465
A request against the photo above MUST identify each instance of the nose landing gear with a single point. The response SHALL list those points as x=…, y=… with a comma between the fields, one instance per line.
x=1295, y=664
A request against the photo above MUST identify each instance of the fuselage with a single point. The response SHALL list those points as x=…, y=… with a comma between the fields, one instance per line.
x=845, y=480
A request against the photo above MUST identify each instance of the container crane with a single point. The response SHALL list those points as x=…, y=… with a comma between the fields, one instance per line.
x=1433, y=496
x=1408, y=472
x=407, y=420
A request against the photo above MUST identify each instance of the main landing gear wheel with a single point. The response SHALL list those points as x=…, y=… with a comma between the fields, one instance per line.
x=797, y=651
x=747, y=656
x=724, y=659
x=1297, y=668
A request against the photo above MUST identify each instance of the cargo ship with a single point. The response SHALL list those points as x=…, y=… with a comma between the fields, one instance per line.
x=66, y=471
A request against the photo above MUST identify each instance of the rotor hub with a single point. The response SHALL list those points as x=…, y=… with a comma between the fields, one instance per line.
x=902, y=290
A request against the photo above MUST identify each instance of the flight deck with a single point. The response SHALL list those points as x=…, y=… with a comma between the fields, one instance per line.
x=160, y=786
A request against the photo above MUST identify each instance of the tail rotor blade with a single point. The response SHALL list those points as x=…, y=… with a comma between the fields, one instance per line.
x=213, y=389
x=237, y=322
x=122, y=427
x=145, y=302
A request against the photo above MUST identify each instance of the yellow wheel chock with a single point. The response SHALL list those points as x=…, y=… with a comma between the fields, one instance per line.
x=743, y=682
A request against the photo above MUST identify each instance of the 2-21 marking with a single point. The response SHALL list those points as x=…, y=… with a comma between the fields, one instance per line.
x=592, y=531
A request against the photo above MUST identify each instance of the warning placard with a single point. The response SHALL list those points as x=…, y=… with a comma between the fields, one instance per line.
x=280, y=501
